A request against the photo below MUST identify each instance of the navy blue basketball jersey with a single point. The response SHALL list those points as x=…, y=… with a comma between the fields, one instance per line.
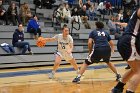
x=133, y=26
x=100, y=38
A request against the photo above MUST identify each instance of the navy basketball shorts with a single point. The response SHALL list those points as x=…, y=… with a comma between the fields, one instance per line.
x=128, y=48
x=97, y=54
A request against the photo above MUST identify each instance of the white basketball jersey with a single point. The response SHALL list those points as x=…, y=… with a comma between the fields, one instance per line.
x=63, y=43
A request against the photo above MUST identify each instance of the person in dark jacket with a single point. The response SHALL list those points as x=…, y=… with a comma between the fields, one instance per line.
x=34, y=27
x=13, y=14
x=3, y=13
x=18, y=40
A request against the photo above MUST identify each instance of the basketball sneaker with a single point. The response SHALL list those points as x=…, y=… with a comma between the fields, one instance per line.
x=115, y=90
x=118, y=76
x=76, y=80
x=51, y=75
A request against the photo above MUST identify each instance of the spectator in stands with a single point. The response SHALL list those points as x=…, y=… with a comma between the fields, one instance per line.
x=13, y=14
x=114, y=29
x=88, y=4
x=80, y=4
x=34, y=27
x=18, y=40
x=3, y=13
x=83, y=14
x=91, y=13
x=109, y=8
x=25, y=13
x=84, y=17
x=101, y=7
x=59, y=13
x=66, y=17
x=126, y=16
x=75, y=15
x=120, y=16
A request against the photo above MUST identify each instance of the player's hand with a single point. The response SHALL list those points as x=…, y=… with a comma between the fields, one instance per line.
x=41, y=42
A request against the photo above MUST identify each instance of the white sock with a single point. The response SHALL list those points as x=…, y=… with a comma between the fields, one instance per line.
x=79, y=75
x=53, y=72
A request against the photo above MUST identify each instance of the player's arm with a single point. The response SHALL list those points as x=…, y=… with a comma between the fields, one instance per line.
x=121, y=24
x=112, y=45
x=50, y=39
x=138, y=13
x=90, y=45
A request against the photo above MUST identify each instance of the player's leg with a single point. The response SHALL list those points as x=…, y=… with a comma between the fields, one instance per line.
x=113, y=68
x=135, y=80
x=82, y=70
x=87, y=62
x=74, y=64
x=120, y=85
x=55, y=67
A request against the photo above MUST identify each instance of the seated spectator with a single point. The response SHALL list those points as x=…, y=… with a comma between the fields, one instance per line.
x=83, y=14
x=66, y=17
x=59, y=13
x=101, y=7
x=75, y=15
x=80, y=4
x=126, y=16
x=34, y=27
x=25, y=13
x=84, y=17
x=18, y=40
x=114, y=29
x=120, y=16
x=109, y=8
x=3, y=13
x=88, y=4
x=13, y=14
x=91, y=13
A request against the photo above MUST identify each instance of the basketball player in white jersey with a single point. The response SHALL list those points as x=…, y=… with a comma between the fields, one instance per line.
x=65, y=48
x=129, y=48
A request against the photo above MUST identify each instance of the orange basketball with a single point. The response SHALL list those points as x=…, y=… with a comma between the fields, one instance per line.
x=41, y=42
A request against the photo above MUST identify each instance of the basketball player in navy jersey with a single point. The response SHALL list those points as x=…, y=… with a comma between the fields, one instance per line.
x=129, y=48
x=102, y=50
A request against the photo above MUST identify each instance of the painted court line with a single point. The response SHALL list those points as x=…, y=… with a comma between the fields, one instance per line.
x=35, y=72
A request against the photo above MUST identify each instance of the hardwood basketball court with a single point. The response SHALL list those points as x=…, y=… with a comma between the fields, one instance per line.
x=99, y=80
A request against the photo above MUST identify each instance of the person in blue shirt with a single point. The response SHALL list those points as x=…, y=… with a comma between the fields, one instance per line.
x=103, y=45
x=129, y=48
x=18, y=40
x=34, y=27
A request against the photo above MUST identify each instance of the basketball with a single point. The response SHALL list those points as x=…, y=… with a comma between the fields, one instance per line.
x=41, y=42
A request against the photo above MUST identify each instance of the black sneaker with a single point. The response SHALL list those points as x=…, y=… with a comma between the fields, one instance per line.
x=129, y=91
x=118, y=76
x=115, y=90
x=76, y=80
x=128, y=67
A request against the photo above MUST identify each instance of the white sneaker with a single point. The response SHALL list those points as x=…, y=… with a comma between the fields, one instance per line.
x=51, y=75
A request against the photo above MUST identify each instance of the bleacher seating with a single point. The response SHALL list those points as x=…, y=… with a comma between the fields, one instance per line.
x=45, y=56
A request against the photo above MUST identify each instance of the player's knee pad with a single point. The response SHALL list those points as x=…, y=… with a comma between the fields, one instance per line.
x=88, y=62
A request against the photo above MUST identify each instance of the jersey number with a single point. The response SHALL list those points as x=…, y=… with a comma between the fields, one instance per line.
x=101, y=33
x=63, y=47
